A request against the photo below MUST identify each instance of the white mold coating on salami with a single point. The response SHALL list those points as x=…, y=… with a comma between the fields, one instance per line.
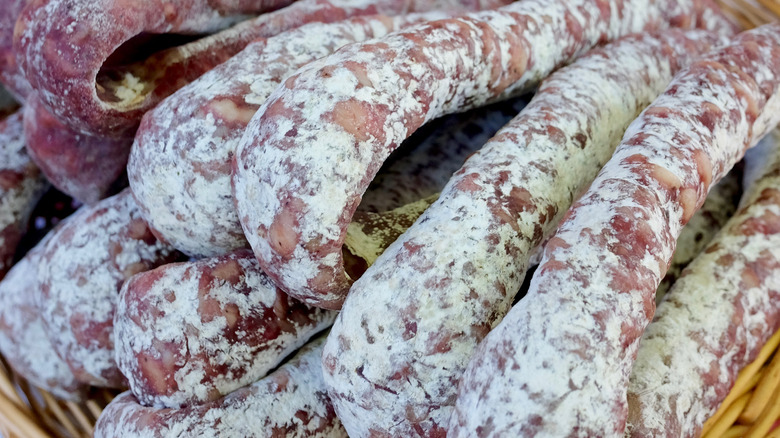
x=290, y=402
x=559, y=362
x=21, y=186
x=451, y=277
x=187, y=333
x=315, y=145
x=24, y=343
x=82, y=270
x=716, y=317
x=179, y=167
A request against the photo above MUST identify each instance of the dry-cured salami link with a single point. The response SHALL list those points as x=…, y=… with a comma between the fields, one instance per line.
x=559, y=362
x=10, y=74
x=290, y=402
x=24, y=343
x=309, y=154
x=82, y=270
x=21, y=186
x=188, y=333
x=453, y=275
x=85, y=85
x=179, y=167
x=720, y=205
x=83, y=166
x=716, y=317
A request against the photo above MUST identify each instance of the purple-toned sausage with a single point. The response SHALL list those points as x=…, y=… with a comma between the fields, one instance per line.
x=559, y=362
x=82, y=270
x=452, y=277
x=83, y=166
x=179, y=167
x=21, y=186
x=313, y=149
x=24, y=343
x=68, y=48
x=291, y=402
x=716, y=317
x=10, y=75
x=189, y=333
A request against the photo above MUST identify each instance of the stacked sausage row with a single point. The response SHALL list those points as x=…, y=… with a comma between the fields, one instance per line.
x=280, y=133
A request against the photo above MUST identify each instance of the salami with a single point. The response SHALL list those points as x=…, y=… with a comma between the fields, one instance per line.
x=720, y=205
x=318, y=141
x=10, y=75
x=188, y=333
x=23, y=340
x=290, y=402
x=179, y=168
x=21, y=186
x=454, y=274
x=559, y=362
x=80, y=53
x=82, y=270
x=716, y=317
x=83, y=166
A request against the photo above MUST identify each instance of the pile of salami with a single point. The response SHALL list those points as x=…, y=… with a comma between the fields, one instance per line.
x=389, y=218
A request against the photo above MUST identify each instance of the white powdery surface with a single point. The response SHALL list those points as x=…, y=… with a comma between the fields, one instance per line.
x=82, y=269
x=180, y=164
x=716, y=317
x=213, y=326
x=314, y=146
x=453, y=275
x=559, y=362
x=290, y=402
x=21, y=186
x=23, y=339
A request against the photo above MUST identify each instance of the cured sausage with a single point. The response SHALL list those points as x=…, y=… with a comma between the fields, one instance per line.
x=80, y=54
x=290, y=402
x=559, y=362
x=188, y=333
x=179, y=168
x=24, y=343
x=84, y=166
x=10, y=75
x=454, y=274
x=716, y=317
x=82, y=269
x=312, y=151
x=21, y=186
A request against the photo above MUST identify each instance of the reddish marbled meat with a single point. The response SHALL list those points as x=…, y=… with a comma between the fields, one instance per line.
x=189, y=333
x=291, y=402
x=10, y=74
x=83, y=166
x=313, y=149
x=64, y=47
x=24, y=343
x=559, y=362
x=21, y=186
x=82, y=269
x=716, y=317
x=453, y=275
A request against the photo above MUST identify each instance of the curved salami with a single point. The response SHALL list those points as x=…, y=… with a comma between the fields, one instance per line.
x=82, y=270
x=21, y=186
x=10, y=74
x=313, y=149
x=716, y=317
x=454, y=274
x=24, y=343
x=179, y=168
x=188, y=333
x=88, y=86
x=81, y=165
x=559, y=362
x=290, y=402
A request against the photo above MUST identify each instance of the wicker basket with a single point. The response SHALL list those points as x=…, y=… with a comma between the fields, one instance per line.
x=29, y=412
